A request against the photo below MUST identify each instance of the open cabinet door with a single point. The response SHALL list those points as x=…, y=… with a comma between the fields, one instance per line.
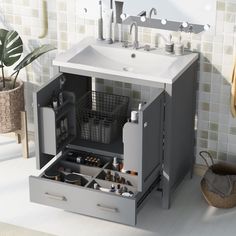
x=47, y=119
x=143, y=141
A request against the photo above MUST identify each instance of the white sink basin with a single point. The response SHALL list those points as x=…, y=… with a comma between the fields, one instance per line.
x=93, y=58
x=120, y=59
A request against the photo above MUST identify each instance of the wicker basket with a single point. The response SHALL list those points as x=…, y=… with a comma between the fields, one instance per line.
x=102, y=116
x=11, y=104
x=221, y=169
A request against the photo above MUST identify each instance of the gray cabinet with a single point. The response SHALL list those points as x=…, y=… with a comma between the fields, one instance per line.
x=158, y=149
x=139, y=147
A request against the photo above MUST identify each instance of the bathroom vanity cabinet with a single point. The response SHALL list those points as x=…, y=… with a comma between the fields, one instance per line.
x=159, y=147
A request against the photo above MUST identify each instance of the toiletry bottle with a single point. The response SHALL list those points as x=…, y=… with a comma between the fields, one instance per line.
x=100, y=22
x=169, y=46
x=54, y=100
x=60, y=97
x=140, y=106
x=60, y=94
x=115, y=164
x=63, y=131
x=95, y=186
x=66, y=127
x=179, y=47
x=108, y=13
x=113, y=189
x=118, y=189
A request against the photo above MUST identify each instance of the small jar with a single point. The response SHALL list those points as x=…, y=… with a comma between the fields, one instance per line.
x=73, y=179
x=52, y=174
x=169, y=47
x=179, y=49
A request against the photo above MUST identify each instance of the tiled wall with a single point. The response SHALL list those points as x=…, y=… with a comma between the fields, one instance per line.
x=216, y=127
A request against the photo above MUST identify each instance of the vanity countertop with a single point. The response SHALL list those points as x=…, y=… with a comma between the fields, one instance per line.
x=95, y=58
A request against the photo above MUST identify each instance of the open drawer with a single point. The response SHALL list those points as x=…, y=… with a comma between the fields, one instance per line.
x=84, y=199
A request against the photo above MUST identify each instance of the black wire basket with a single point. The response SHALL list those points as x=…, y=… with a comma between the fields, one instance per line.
x=102, y=116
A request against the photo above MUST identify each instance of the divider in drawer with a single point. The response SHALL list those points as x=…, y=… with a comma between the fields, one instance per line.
x=80, y=169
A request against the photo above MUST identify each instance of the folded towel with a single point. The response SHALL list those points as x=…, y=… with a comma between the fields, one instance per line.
x=233, y=92
x=220, y=184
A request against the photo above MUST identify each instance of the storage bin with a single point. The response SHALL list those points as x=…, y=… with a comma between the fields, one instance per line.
x=101, y=116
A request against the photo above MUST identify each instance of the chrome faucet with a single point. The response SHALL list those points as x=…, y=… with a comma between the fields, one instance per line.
x=136, y=43
x=152, y=11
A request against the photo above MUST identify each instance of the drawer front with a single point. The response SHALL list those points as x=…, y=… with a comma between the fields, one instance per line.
x=83, y=200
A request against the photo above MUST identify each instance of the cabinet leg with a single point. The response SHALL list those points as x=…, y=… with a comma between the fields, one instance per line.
x=24, y=135
x=166, y=192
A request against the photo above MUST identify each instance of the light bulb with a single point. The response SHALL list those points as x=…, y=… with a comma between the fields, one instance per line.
x=207, y=27
x=164, y=21
x=185, y=24
x=123, y=16
x=143, y=18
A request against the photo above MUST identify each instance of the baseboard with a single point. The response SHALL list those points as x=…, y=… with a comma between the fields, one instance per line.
x=200, y=169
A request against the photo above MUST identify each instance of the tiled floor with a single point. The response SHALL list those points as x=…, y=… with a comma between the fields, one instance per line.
x=189, y=214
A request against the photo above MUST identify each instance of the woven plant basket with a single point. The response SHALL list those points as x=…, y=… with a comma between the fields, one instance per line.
x=11, y=104
x=212, y=198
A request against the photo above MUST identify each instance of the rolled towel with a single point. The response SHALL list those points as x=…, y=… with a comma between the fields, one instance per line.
x=233, y=92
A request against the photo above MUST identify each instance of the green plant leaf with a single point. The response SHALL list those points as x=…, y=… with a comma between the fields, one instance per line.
x=34, y=55
x=11, y=47
x=3, y=34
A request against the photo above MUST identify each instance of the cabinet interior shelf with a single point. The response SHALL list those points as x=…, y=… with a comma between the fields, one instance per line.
x=114, y=148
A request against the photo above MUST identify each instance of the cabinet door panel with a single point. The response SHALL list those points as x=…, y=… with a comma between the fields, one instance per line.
x=143, y=142
x=48, y=119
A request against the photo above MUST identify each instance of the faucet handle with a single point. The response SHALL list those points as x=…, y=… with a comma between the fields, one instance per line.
x=136, y=45
x=147, y=47
x=125, y=44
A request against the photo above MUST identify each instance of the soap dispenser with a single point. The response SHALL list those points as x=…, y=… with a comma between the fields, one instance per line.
x=169, y=46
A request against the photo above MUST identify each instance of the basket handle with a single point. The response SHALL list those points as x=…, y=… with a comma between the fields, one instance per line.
x=204, y=158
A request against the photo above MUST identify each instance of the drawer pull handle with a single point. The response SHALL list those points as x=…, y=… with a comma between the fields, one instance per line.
x=107, y=208
x=55, y=197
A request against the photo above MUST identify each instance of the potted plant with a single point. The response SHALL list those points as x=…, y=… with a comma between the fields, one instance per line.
x=11, y=88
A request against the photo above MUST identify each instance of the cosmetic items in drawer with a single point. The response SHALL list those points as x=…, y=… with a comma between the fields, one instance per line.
x=115, y=177
x=113, y=188
x=85, y=158
x=62, y=174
